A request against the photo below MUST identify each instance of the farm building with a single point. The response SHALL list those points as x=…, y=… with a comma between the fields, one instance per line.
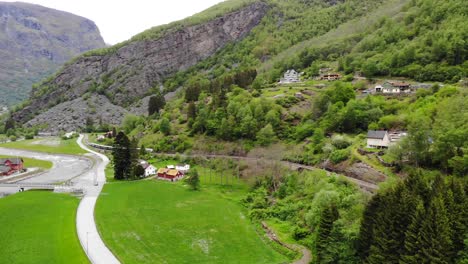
x=184, y=168
x=150, y=170
x=11, y=165
x=169, y=174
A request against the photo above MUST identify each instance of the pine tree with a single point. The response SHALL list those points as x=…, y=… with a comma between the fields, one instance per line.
x=156, y=103
x=366, y=233
x=434, y=240
x=329, y=215
x=134, y=156
x=122, y=157
x=412, y=248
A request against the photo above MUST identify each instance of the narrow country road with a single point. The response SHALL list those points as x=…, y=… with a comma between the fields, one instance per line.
x=92, y=182
x=65, y=167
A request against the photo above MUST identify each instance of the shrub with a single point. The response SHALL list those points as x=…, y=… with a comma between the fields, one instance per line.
x=338, y=156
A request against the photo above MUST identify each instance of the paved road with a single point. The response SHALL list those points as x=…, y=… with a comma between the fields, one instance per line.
x=65, y=167
x=92, y=182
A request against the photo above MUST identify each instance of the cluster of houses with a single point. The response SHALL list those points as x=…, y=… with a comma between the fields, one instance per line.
x=170, y=173
x=292, y=76
x=384, y=139
x=9, y=166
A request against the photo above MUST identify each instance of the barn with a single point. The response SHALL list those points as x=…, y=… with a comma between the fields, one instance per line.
x=169, y=174
x=11, y=165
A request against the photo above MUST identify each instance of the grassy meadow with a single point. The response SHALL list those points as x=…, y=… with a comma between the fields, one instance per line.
x=154, y=221
x=39, y=227
x=47, y=145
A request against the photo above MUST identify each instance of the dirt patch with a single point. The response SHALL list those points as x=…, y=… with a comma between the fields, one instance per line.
x=53, y=142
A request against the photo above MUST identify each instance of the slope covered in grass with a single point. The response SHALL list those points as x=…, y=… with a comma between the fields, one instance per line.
x=39, y=227
x=160, y=222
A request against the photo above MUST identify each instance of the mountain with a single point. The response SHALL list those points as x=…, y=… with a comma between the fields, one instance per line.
x=373, y=37
x=34, y=42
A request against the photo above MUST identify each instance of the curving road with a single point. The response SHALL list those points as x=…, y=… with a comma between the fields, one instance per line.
x=92, y=182
x=65, y=167
x=85, y=172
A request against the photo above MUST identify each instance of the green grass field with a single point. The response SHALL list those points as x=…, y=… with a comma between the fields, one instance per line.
x=39, y=227
x=34, y=163
x=48, y=145
x=160, y=222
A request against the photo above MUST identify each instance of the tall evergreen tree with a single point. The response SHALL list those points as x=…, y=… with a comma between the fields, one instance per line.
x=328, y=217
x=156, y=103
x=412, y=253
x=122, y=157
x=435, y=242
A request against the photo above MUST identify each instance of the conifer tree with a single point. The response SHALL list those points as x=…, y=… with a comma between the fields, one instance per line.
x=329, y=215
x=434, y=239
x=412, y=253
x=122, y=157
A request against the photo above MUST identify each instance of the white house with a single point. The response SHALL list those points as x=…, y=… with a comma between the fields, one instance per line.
x=150, y=171
x=291, y=76
x=184, y=168
x=171, y=167
x=378, y=139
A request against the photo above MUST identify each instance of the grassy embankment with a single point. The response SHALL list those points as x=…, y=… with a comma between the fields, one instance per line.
x=47, y=145
x=162, y=222
x=39, y=227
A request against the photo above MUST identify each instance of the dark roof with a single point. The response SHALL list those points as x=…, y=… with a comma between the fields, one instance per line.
x=376, y=134
x=12, y=160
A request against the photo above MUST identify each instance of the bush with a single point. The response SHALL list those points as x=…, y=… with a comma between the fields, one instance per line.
x=300, y=233
x=338, y=156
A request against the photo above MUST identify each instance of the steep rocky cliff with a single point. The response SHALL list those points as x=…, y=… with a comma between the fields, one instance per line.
x=34, y=42
x=93, y=84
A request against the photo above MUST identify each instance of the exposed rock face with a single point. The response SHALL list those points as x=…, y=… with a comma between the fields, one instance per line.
x=358, y=170
x=128, y=73
x=34, y=42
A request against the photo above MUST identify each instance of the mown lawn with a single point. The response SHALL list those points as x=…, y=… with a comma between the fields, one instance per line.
x=39, y=227
x=34, y=163
x=160, y=222
x=48, y=145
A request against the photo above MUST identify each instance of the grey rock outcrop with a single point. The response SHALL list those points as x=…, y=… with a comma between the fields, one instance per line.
x=128, y=73
x=34, y=42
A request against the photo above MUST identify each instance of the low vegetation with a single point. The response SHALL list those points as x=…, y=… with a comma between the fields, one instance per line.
x=39, y=227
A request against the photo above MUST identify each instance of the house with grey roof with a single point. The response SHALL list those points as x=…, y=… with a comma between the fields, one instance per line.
x=378, y=139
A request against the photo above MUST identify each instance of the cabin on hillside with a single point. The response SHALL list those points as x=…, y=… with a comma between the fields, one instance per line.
x=330, y=77
x=290, y=76
x=378, y=139
x=9, y=166
x=390, y=87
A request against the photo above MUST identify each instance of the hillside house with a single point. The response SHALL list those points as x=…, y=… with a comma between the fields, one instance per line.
x=378, y=139
x=330, y=77
x=290, y=76
x=169, y=174
x=9, y=166
x=390, y=87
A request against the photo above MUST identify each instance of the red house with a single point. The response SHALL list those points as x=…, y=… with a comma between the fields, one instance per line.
x=170, y=174
x=11, y=165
